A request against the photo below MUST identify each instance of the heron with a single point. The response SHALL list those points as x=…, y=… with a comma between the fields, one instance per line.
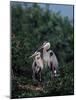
x=37, y=65
x=49, y=58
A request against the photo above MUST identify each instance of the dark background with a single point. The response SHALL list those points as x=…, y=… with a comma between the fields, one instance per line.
x=31, y=25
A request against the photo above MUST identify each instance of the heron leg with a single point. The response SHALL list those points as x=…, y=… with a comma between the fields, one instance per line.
x=33, y=76
x=40, y=76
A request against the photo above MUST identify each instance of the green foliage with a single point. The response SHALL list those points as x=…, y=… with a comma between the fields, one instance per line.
x=31, y=25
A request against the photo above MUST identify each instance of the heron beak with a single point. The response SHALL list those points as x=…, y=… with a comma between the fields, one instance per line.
x=40, y=47
x=32, y=55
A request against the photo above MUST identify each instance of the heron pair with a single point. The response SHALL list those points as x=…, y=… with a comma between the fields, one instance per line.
x=48, y=59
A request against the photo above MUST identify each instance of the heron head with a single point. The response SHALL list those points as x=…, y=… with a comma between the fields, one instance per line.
x=46, y=45
x=38, y=54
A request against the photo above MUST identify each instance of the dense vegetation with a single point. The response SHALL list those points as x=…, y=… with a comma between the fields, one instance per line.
x=31, y=25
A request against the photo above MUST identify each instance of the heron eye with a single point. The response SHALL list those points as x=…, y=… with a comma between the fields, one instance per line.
x=51, y=53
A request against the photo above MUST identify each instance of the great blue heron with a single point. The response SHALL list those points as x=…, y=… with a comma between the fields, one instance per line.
x=37, y=65
x=49, y=58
